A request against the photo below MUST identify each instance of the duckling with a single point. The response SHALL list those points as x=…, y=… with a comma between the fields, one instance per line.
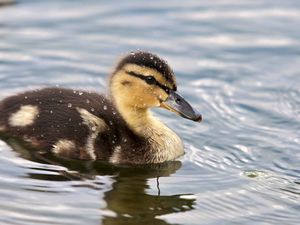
x=117, y=128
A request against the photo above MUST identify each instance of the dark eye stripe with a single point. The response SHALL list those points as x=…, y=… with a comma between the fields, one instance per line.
x=164, y=87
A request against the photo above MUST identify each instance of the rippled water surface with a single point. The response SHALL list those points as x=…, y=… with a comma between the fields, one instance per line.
x=237, y=61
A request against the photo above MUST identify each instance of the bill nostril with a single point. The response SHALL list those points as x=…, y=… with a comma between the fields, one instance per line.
x=178, y=100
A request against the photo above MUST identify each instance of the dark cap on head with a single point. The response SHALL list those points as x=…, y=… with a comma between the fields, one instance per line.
x=150, y=60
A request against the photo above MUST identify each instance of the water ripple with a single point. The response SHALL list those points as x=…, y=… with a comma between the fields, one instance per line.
x=236, y=61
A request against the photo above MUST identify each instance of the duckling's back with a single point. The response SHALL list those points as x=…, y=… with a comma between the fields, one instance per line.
x=73, y=124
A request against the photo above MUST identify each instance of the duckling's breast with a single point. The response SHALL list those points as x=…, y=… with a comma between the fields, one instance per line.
x=154, y=143
x=166, y=145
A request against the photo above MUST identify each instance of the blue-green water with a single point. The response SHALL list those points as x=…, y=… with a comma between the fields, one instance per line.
x=237, y=61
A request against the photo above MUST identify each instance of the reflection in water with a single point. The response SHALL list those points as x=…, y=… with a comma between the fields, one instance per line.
x=127, y=199
x=132, y=205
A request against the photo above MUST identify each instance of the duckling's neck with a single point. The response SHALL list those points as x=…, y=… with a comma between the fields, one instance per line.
x=138, y=119
x=164, y=143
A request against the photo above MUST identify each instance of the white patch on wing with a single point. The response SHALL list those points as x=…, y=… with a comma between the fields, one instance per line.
x=90, y=145
x=25, y=116
x=93, y=122
x=96, y=125
x=2, y=128
x=63, y=146
x=116, y=156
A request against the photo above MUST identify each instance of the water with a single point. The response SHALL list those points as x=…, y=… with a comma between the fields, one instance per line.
x=237, y=61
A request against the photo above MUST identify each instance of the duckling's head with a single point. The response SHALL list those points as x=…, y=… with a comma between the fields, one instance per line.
x=142, y=80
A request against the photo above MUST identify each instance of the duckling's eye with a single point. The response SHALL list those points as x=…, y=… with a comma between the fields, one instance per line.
x=150, y=80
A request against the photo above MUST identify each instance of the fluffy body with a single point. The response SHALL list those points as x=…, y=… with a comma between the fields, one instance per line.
x=88, y=126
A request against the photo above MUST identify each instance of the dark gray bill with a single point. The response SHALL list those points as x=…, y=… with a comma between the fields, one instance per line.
x=176, y=103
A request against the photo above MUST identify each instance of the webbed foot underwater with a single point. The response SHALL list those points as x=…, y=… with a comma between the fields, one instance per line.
x=89, y=126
